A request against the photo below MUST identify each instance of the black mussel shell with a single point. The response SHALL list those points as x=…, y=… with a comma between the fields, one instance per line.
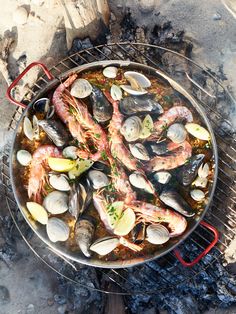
x=101, y=166
x=188, y=172
x=155, y=148
x=84, y=233
x=140, y=104
x=102, y=108
x=174, y=200
x=138, y=233
x=56, y=131
x=42, y=105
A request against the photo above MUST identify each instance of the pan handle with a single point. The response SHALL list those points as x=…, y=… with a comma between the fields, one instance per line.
x=13, y=84
x=200, y=256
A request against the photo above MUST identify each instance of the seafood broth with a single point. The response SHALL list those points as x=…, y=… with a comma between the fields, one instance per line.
x=170, y=132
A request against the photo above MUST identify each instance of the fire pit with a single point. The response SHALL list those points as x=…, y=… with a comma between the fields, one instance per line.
x=166, y=273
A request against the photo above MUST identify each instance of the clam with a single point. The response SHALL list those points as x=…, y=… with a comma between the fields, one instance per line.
x=174, y=200
x=138, y=83
x=56, y=202
x=105, y=245
x=98, y=179
x=38, y=212
x=140, y=104
x=110, y=72
x=36, y=127
x=28, y=129
x=200, y=182
x=176, y=133
x=197, y=195
x=116, y=92
x=81, y=88
x=138, y=180
x=162, y=177
x=139, y=151
x=203, y=170
x=131, y=128
x=188, y=172
x=70, y=152
x=198, y=131
x=57, y=230
x=157, y=234
x=84, y=233
x=59, y=182
x=102, y=108
x=24, y=157
x=56, y=131
x=80, y=197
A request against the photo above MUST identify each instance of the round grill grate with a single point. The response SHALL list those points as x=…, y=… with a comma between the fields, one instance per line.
x=167, y=271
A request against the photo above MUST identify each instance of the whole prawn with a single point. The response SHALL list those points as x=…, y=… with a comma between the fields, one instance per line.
x=176, y=159
x=118, y=149
x=93, y=130
x=37, y=173
x=62, y=110
x=153, y=214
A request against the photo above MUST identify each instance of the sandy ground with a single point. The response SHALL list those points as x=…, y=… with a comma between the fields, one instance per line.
x=209, y=25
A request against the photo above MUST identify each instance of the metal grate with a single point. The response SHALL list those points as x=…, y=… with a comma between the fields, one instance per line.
x=218, y=104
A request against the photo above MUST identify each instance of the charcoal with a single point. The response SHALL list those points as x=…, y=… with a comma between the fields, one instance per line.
x=4, y=295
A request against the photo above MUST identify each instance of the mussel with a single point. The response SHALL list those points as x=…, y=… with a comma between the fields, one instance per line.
x=162, y=177
x=140, y=104
x=56, y=131
x=176, y=133
x=159, y=148
x=139, y=151
x=131, y=128
x=43, y=107
x=84, y=233
x=105, y=245
x=174, y=200
x=157, y=234
x=188, y=172
x=102, y=108
x=138, y=233
x=80, y=197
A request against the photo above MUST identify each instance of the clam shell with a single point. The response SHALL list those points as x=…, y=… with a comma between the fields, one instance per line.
x=197, y=195
x=162, y=177
x=98, y=179
x=200, y=182
x=110, y=72
x=81, y=88
x=131, y=128
x=56, y=202
x=139, y=151
x=140, y=182
x=105, y=245
x=157, y=234
x=203, y=170
x=141, y=79
x=59, y=182
x=28, y=129
x=70, y=152
x=116, y=92
x=176, y=133
x=128, y=89
x=24, y=157
x=57, y=230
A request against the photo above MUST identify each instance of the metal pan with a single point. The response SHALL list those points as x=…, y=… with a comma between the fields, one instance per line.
x=21, y=194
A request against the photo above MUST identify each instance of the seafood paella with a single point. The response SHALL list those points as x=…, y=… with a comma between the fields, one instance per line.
x=115, y=163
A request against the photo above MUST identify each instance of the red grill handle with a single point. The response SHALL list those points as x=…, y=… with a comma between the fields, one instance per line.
x=13, y=84
x=200, y=256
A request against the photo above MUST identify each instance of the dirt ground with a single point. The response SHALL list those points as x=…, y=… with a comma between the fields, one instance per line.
x=209, y=25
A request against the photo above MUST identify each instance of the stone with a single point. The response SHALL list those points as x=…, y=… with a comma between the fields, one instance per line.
x=62, y=309
x=4, y=295
x=20, y=16
x=30, y=309
x=217, y=16
x=147, y=6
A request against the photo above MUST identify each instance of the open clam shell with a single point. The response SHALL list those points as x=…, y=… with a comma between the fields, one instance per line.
x=139, y=151
x=57, y=230
x=138, y=83
x=81, y=88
